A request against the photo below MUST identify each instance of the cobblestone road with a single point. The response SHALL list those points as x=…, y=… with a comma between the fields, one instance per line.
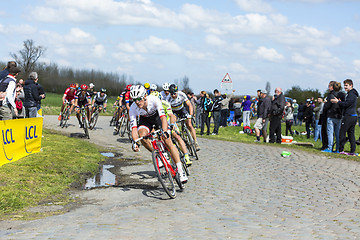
x=236, y=191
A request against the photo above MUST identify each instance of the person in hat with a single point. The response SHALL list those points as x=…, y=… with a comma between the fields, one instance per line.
x=263, y=112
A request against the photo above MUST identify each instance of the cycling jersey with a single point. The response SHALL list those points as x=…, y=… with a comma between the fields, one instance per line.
x=167, y=109
x=163, y=95
x=178, y=103
x=127, y=98
x=156, y=94
x=82, y=99
x=69, y=95
x=100, y=99
x=154, y=111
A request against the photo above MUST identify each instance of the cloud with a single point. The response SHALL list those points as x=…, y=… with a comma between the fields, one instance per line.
x=128, y=58
x=269, y=54
x=233, y=68
x=254, y=6
x=214, y=40
x=78, y=36
x=299, y=59
x=356, y=64
x=99, y=50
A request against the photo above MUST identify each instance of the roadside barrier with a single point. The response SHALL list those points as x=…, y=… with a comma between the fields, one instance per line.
x=19, y=138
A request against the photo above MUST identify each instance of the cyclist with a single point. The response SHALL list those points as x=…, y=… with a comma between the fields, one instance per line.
x=151, y=112
x=100, y=100
x=82, y=98
x=171, y=118
x=69, y=96
x=165, y=92
x=153, y=91
x=147, y=87
x=124, y=102
x=91, y=90
x=177, y=99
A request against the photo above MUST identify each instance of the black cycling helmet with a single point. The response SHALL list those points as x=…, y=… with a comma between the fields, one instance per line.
x=173, y=88
x=103, y=90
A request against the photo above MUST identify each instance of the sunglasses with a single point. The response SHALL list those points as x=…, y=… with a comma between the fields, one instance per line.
x=137, y=99
x=173, y=94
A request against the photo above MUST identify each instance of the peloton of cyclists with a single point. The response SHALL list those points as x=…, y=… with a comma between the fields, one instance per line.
x=100, y=100
x=177, y=99
x=82, y=98
x=151, y=112
x=68, y=97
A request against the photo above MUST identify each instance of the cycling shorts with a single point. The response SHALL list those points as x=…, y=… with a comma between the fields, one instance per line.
x=82, y=103
x=150, y=122
x=182, y=113
x=100, y=104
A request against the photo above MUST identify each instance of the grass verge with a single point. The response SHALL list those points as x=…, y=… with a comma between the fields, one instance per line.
x=45, y=177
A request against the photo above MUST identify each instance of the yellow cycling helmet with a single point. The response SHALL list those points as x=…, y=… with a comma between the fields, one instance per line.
x=147, y=85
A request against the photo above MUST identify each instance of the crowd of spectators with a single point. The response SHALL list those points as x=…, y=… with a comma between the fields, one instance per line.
x=19, y=98
x=334, y=116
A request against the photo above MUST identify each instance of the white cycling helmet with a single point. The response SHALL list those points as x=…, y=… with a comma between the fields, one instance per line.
x=91, y=85
x=137, y=91
x=166, y=86
x=153, y=87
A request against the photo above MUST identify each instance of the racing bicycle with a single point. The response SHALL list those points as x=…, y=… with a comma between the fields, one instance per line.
x=188, y=139
x=164, y=165
x=65, y=115
x=84, y=121
x=115, y=116
x=94, y=117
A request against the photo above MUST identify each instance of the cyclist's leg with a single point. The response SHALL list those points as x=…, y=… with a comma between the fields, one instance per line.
x=143, y=131
x=87, y=108
x=72, y=102
x=191, y=128
x=77, y=110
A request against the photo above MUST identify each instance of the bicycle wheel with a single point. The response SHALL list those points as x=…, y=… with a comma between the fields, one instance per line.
x=129, y=131
x=164, y=176
x=191, y=143
x=113, y=119
x=94, y=119
x=65, y=117
x=121, y=123
x=85, y=126
x=124, y=127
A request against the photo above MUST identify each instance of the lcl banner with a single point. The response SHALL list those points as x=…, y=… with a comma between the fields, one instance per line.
x=19, y=138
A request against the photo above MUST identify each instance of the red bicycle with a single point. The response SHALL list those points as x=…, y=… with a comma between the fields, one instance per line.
x=164, y=165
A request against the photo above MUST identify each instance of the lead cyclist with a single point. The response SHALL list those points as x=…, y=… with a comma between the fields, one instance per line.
x=151, y=112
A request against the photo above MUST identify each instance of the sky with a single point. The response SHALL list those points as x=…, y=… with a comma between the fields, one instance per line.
x=287, y=43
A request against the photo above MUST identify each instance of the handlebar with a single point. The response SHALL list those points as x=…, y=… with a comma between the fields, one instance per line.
x=150, y=135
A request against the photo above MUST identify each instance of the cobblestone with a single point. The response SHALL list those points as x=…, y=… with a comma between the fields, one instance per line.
x=235, y=191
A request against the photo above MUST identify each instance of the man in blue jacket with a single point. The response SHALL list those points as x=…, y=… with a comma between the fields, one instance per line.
x=349, y=116
x=32, y=96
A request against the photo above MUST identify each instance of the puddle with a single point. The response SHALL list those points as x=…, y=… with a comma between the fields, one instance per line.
x=104, y=178
x=108, y=154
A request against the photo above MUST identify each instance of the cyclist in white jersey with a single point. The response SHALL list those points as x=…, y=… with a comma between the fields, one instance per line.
x=151, y=112
x=177, y=99
x=100, y=100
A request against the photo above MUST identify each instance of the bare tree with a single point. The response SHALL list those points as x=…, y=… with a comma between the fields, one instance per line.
x=28, y=56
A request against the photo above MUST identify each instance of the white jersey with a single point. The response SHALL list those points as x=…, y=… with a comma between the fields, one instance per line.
x=100, y=99
x=154, y=106
x=177, y=103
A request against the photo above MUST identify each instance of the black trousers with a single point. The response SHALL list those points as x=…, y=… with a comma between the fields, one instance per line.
x=348, y=126
x=275, y=128
x=324, y=136
x=205, y=119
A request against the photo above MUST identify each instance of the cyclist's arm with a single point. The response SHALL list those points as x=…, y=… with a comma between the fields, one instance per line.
x=190, y=107
x=63, y=98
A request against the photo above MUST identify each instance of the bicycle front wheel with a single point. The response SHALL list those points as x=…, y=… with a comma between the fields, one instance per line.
x=94, y=119
x=190, y=144
x=164, y=175
x=124, y=127
x=85, y=127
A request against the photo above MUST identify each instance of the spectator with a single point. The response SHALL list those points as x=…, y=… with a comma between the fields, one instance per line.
x=7, y=100
x=225, y=112
x=349, y=116
x=216, y=111
x=5, y=72
x=199, y=108
x=300, y=113
x=19, y=103
x=237, y=111
x=246, y=104
x=318, y=111
x=276, y=113
x=323, y=122
x=296, y=111
x=41, y=92
x=308, y=116
x=32, y=95
x=263, y=112
x=334, y=116
x=206, y=114
x=289, y=118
